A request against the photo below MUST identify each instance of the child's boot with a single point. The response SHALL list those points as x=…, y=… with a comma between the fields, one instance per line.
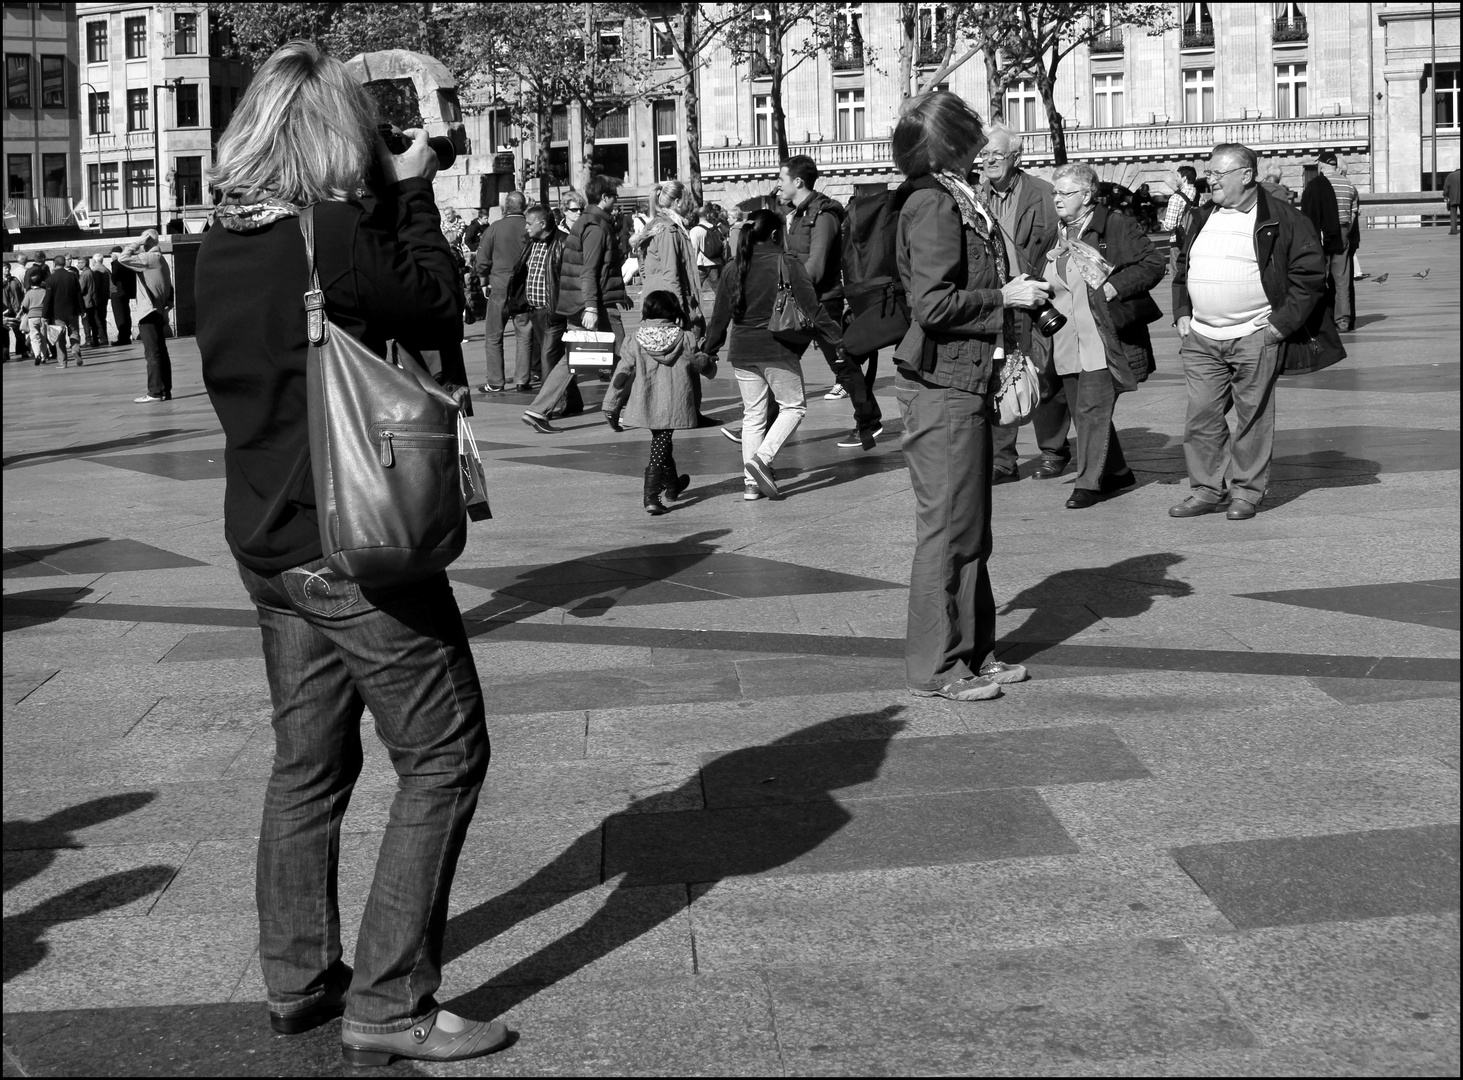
x=675, y=483
x=653, y=483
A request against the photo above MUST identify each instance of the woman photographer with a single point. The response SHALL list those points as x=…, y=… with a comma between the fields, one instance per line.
x=304, y=135
x=953, y=264
x=1101, y=269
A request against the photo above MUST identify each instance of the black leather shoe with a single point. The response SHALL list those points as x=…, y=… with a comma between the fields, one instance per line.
x=1082, y=498
x=1049, y=469
x=1192, y=507
x=1239, y=510
x=1117, y=483
x=330, y=1005
x=1004, y=477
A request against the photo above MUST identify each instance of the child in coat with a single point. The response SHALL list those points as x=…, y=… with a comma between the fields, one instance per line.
x=658, y=363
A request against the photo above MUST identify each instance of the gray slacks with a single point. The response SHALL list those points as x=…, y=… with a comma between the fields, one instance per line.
x=525, y=344
x=1338, y=268
x=1049, y=423
x=1090, y=397
x=952, y=611
x=1239, y=374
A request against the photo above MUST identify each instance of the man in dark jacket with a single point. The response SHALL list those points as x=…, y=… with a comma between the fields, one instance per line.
x=814, y=229
x=64, y=309
x=1453, y=196
x=124, y=288
x=97, y=310
x=1322, y=208
x=1247, y=298
x=1023, y=205
x=497, y=255
x=534, y=288
x=14, y=312
x=591, y=290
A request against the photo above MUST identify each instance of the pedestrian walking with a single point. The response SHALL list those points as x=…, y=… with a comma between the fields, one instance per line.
x=1453, y=196
x=1024, y=208
x=101, y=297
x=1178, y=214
x=64, y=311
x=154, y=301
x=1273, y=186
x=814, y=237
x=331, y=647
x=124, y=291
x=88, y=302
x=768, y=366
x=963, y=293
x=497, y=255
x=1248, y=300
x=667, y=251
x=591, y=290
x=1101, y=271
x=655, y=374
x=33, y=316
x=1330, y=202
x=14, y=300
x=710, y=247
x=536, y=280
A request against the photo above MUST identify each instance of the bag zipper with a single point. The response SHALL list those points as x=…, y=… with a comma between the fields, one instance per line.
x=388, y=453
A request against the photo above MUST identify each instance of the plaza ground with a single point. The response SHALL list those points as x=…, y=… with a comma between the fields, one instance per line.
x=1215, y=834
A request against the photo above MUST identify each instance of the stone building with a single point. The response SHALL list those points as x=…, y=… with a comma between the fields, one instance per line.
x=1289, y=80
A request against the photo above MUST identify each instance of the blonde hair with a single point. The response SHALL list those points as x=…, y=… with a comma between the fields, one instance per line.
x=674, y=195
x=304, y=131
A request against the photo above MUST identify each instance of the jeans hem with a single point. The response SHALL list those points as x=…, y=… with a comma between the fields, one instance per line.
x=294, y=1008
x=385, y=1029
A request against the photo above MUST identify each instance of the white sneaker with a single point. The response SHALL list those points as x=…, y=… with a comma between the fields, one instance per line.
x=752, y=493
x=834, y=394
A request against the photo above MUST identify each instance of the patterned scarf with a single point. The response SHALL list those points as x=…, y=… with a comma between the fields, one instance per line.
x=978, y=219
x=658, y=337
x=242, y=217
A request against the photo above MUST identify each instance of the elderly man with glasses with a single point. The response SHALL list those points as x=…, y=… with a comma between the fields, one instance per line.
x=1246, y=297
x=1022, y=204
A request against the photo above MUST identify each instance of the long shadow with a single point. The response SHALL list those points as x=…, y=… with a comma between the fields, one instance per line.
x=644, y=845
x=100, y=447
x=31, y=848
x=1073, y=601
x=38, y=607
x=590, y=585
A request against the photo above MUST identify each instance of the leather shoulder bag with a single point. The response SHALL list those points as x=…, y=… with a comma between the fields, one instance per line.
x=384, y=450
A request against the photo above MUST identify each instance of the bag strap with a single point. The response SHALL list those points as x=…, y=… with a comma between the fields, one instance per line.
x=315, y=320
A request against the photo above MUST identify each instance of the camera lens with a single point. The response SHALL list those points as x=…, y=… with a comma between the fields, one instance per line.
x=1049, y=320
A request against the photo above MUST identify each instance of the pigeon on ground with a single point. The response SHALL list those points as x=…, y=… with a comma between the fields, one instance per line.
x=1382, y=279
x=1425, y=273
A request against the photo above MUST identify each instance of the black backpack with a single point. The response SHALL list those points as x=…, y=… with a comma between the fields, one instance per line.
x=870, y=226
x=714, y=246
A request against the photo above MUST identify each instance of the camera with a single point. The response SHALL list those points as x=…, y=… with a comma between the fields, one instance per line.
x=398, y=143
x=1048, y=319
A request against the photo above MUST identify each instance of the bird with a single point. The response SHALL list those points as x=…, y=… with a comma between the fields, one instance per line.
x=1381, y=279
x=1425, y=273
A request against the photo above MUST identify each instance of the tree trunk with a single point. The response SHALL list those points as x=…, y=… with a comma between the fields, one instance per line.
x=1047, y=86
x=586, y=121
x=544, y=126
x=994, y=89
x=691, y=97
x=908, y=25
x=779, y=119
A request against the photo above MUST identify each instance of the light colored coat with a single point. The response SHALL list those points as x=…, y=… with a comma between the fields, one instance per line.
x=154, y=281
x=668, y=263
x=660, y=397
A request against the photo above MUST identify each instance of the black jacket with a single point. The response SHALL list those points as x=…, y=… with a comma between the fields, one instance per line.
x=124, y=281
x=1318, y=204
x=63, y=296
x=1293, y=273
x=750, y=338
x=387, y=275
x=1138, y=267
x=518, y=282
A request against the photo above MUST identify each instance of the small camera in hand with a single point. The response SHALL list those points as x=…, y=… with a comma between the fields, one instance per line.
x=398, y=143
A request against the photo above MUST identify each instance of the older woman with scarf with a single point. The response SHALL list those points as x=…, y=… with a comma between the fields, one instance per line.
x=1101, y=270
x=962, y=294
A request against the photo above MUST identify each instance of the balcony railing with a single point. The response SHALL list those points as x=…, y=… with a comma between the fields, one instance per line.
x=32, y=212
x=1291, y=29
x=848, y=57
x=1150, y=141
x=1202, y=38
x=929, y=53
x=1110, y=41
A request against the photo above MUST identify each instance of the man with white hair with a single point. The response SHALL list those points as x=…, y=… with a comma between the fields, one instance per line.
x=1023, y=206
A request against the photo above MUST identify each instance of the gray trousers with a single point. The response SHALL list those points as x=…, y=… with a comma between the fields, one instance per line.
x=525, y=345
x=1221, y=375
x=952, y=612
x=1090, y=398
x=1338, y=267
x=1049, y=423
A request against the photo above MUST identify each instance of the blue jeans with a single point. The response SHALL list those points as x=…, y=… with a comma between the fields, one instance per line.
x=330, y=648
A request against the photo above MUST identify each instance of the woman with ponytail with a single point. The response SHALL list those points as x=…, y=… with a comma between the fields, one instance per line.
x=667, y=256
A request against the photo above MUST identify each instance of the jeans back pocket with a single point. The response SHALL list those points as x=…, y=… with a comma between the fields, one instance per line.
x=320, y=591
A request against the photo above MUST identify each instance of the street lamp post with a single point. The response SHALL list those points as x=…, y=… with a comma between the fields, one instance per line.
x=97, y=135
x=171, y=85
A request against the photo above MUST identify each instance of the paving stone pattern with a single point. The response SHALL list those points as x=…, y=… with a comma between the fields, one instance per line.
x=1215, y=834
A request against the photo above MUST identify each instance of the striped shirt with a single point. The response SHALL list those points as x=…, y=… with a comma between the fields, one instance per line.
x=1346, y=199
x=1224, y=278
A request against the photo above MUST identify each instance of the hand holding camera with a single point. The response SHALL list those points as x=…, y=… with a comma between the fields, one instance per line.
x=410, y=153
x=1024, y=291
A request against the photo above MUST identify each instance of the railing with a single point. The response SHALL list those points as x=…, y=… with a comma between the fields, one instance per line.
x=106, y=144
x=1291, y=29
x=1111, y=41
x=929, y=53
x=1170, y=141
x=848, y=57
x=30, y=213
x=1202, y=38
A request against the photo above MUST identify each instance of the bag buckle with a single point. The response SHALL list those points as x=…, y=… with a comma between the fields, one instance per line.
x=315, y=316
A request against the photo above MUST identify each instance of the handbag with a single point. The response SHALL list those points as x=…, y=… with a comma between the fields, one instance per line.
x=385, y=451
x=1019, y=390
x=788, y=321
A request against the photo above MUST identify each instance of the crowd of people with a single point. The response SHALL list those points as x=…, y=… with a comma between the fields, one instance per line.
x=55, y=307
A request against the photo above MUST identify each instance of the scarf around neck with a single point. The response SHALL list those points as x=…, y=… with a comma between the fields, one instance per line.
x=248, y=217
x=978, y=219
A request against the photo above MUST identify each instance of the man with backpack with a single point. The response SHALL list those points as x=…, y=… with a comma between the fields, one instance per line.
x=710, y=247
x=814, y=236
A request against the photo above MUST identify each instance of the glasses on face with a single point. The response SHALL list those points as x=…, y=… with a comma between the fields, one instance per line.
x=573, y=209
x=993, y=158
x=1211, y=175
x=1059, y=193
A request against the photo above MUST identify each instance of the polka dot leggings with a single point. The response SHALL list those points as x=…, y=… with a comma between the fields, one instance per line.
x=660, y=448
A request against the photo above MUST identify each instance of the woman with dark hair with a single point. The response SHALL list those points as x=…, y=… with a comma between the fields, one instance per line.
x=657, y=365
x=332, y=647
x=953, y=263
x=767, y=366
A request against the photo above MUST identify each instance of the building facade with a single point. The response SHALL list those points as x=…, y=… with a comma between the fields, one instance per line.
x=1377, y=83
x=42, y=160
x=156, y=93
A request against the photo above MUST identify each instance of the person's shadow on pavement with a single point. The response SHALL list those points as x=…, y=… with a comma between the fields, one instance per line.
x=30, y=849
x=1071, y=602
x=748, y=830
